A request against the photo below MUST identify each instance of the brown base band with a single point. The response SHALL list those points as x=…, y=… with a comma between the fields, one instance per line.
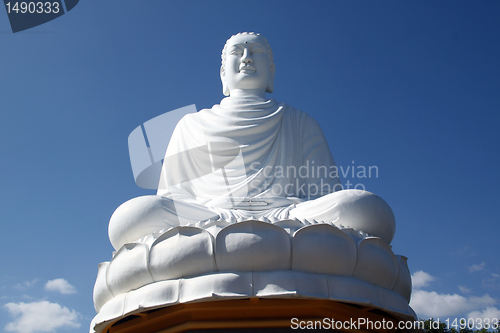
x=253, y=315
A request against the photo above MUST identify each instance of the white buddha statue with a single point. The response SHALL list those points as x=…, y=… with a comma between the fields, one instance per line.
x=249, y=157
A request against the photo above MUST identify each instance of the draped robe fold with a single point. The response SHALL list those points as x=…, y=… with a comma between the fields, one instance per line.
x=243, y=155
x=246, y=158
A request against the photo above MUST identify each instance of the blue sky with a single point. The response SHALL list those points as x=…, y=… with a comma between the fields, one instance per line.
x=411, y=87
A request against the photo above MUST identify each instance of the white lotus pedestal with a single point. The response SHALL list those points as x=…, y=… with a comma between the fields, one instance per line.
x=250, y=274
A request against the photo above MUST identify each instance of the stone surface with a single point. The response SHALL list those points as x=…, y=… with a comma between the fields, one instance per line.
x=254, y=247
x=182, y=252
x=243, y=285
x=322, y=248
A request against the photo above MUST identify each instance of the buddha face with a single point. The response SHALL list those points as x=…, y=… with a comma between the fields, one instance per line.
x=247, y=66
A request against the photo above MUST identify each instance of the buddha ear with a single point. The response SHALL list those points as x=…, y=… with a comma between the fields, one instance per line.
x=225, y=89
x=270, y=86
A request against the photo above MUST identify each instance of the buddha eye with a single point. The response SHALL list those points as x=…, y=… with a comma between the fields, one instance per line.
x=236, y=52
x=258, y=50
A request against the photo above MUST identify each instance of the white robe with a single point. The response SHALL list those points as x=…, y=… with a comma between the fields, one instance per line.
x=240, y=150
x=243, y=159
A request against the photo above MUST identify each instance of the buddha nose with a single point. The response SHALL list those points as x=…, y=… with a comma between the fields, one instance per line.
x=246, y=57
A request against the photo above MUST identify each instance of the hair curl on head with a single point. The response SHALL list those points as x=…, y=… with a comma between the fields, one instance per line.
x=269, y=52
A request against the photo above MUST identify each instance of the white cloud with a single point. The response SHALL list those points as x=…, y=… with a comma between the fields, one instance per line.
x=489, y=312
x=475, y=267
x=429, y=304
x=40, y=317
x=465, y=252
x=492, y=281
x=421, y=279
x=465, y=290
x=61, y=286
x=25, y=284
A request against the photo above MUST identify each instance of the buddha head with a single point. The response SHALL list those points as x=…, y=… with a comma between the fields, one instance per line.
x=247, y=65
